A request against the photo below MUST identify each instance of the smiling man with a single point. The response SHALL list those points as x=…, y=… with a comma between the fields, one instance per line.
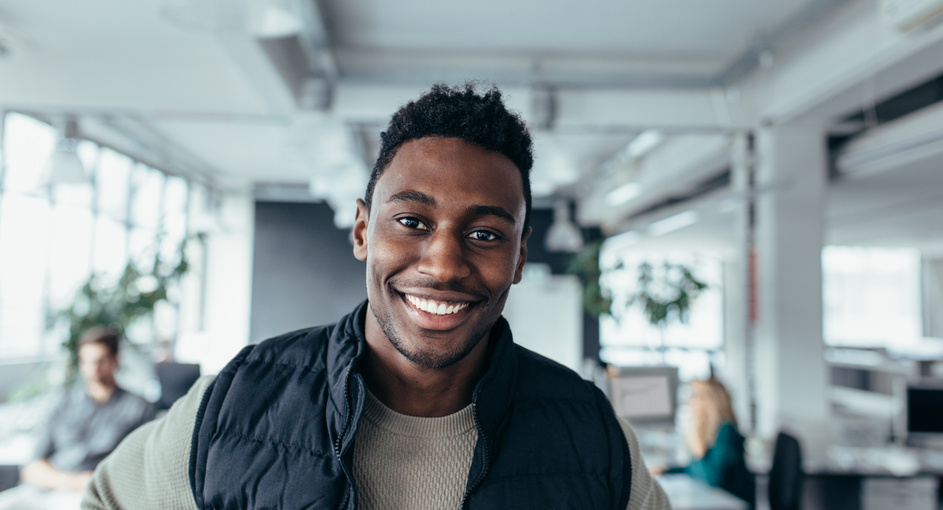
x=419, y=398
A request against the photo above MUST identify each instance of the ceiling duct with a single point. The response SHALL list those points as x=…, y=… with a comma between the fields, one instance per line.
x=910, y=14
x=914, y=137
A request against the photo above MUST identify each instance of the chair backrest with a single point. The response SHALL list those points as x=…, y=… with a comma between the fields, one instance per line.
x=9, y=476
x=785, y=477
x=175, y=380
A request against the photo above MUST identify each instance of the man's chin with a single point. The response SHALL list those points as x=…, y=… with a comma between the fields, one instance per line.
x=432, y=360
x=457, y=345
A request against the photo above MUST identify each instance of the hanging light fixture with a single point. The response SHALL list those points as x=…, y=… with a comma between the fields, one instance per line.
x=563, y=234
x=64, y=165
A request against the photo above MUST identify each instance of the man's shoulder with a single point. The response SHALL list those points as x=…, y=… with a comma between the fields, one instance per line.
x=130, y=400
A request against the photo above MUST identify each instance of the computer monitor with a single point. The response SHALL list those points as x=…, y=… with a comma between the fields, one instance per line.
x=924, y=414
x=645, y=395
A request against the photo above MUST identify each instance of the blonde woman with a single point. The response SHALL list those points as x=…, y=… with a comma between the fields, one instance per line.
x=715, y=443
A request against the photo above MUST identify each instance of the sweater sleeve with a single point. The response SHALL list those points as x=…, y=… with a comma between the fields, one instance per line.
x=150, y=468
x=646, y=493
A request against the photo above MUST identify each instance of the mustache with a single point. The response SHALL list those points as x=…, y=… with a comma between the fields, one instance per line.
x=433, y=284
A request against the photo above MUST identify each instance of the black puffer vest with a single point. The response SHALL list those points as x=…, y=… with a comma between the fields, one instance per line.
x=276, y=429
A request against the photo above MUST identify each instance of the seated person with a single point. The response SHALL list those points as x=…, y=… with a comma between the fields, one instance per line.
x=88, y=423
x=715, y=443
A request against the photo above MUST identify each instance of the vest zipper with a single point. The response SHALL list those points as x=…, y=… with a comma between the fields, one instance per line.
x=484, y=440
x=340, y=438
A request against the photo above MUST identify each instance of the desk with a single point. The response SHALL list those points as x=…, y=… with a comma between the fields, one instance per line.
x=873, y=478
x=686, y=493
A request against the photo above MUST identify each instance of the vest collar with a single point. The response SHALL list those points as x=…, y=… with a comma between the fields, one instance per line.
x=490, y=399
x=345, y=350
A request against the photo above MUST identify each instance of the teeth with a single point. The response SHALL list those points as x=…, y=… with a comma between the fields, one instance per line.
x=435, y=307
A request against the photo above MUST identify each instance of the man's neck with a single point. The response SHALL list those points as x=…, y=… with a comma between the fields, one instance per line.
x=100, y=392
x=411, y=389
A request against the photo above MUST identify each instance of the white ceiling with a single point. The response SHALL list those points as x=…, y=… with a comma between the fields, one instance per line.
x=203, y=97
x=521, y=39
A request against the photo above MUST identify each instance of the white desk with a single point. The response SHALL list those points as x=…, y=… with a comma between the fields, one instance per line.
x=686, y=493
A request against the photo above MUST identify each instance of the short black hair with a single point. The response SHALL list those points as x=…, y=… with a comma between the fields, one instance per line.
x=100, y=335
x=459, y=112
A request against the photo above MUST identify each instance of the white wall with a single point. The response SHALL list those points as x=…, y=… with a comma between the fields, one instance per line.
x=545, y=314
x=933, y=297
x=215, y=326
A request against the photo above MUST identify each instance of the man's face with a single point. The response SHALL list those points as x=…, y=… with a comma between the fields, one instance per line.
x=97, y=364
x=443, y=242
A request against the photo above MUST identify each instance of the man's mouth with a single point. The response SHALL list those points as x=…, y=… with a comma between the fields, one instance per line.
x=434, y=307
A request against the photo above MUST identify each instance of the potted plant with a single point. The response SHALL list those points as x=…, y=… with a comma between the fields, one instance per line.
x=664, y=294
x=133, y=297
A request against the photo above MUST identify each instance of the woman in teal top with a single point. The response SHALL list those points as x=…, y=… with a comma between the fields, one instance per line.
x=715, y=443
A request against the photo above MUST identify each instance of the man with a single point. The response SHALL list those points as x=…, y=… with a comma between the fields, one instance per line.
x=419, y=398
x=84, y=428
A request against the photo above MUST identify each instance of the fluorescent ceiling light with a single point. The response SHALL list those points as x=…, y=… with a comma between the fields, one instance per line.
x=623, y=193
x=639, y=146
x=270, y=19
x=643, y=143
x=672, y=223
x=616, y=244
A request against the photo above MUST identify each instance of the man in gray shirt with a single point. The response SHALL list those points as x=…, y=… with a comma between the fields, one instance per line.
x=88, y=423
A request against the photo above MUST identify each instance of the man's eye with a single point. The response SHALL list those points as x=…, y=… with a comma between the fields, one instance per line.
x=483, y=235
x=411, y=223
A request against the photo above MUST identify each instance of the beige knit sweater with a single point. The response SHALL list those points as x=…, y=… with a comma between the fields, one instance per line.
x=400, y=462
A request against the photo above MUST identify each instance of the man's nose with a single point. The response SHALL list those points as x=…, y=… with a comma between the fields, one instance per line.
x=444, y=257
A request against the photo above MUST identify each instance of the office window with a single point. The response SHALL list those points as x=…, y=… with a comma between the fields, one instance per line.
x=27, y=144
x=871, y=296
x=70, y=252
x=24, y=236
x=110, y=248
x=174, y=220
x=112, y=179
x=147, y=187
x=53, y=237
x=632, y=340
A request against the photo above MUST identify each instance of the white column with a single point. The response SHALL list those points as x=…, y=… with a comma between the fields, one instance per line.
x=737, y=368
x=790, y=366
x=213, y=339
x=933, y=296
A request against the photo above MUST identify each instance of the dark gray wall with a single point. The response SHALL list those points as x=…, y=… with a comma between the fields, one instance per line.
x=540, y=221
x=303, y=272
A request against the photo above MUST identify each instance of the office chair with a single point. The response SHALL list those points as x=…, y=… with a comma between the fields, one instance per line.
x=785, y=477
x=9, y=476
x=175, y=380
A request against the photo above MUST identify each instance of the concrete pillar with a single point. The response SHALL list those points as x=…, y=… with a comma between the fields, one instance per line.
x=737, y=371
x=791, y=372
x=932, y=296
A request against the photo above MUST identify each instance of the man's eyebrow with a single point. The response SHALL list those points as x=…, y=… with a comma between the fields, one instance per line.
x=476, y=210
x=490, y=210
x=412, y=196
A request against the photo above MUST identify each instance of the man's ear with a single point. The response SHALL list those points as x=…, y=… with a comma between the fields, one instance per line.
x=360, y=230
x=522, y=258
